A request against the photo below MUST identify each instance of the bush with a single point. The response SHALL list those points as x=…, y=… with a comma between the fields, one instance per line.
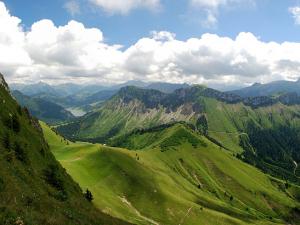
x=88, y=195
x=52, y=177
x=20, y=153
x=6, y=141
x=2, y=184
x=16, y=124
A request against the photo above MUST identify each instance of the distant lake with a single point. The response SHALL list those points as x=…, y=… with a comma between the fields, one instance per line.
x=76, y=111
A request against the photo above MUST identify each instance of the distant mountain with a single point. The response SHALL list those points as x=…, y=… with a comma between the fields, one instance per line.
x=34, y=188
x=85, y=97
x=43, y=109
x=166, y=87
x=273, y=88
x=33, y=89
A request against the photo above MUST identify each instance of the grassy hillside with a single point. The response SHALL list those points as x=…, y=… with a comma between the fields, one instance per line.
x=34, y=188
x=262, y=131
x=172, y=175
x=43, y=109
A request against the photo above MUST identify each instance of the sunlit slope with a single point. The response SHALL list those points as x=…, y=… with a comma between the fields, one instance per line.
x=263, y=131
x=34, y=188
x=186, y=180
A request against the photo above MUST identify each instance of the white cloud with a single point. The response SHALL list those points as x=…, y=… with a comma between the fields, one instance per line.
x=125, y=6
x=72, y=7
x=295, y=11
x=211, y=8
x=75, y=53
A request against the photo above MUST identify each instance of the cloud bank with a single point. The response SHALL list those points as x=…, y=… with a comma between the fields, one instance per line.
x=75, y=53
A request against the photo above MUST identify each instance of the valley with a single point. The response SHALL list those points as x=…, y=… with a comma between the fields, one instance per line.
x=149, y=112
x=194, y=155
x=181, y=178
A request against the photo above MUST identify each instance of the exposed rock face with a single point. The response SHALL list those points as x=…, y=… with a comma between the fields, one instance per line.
x=3, y=82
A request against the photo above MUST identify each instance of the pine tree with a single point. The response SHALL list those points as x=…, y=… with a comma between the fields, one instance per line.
x=88, y=195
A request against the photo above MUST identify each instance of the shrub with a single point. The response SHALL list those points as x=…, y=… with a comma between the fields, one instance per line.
x=52, y=177
x=16, y=124
x=6, y=141
x=20, y=153
x=2, y=184
x=88, y=195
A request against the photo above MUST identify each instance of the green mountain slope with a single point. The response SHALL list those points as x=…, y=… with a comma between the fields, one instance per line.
x=262, y=131
x=43, y=109
x=176, y=177
x=34, y=188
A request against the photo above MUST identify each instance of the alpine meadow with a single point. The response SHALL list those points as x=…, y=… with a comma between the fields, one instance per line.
x=151, y=112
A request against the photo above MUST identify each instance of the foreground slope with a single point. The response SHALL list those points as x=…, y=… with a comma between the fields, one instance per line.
x=34, y=188
x=172, y=175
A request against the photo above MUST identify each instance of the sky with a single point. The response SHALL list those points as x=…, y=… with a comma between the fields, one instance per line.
x=212, y=42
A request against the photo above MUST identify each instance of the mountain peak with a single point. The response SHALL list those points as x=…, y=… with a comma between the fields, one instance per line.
x=256, y=84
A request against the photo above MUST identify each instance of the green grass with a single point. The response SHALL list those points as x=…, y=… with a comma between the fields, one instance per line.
x=187, y=184
x=34, y=188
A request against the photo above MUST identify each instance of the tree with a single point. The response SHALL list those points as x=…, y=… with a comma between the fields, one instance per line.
x=20, y=153
x=88, y=195
x=16, y=124
x=6, y=141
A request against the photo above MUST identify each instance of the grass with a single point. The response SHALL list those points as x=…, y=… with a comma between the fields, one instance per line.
x=34, y=188
x=187, y=184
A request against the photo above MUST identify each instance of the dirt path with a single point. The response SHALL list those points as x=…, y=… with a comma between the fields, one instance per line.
x=124, y=200
x=185, y=216
x=72, y=160
x=224, y=132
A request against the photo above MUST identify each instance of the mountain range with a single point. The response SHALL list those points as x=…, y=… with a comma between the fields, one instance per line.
x=185, y=155
x=253, y=128
x=269, y=89
x=82, y=98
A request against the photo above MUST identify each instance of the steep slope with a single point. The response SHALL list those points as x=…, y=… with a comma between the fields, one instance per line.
x=272, y=88
x=34, y=188
x=172, y=175
x=239, y=125
x=43, y=109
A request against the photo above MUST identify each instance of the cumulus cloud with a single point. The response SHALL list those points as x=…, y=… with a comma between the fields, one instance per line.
x=75, y=53
x=125, y=6
x=211, y=8
x=295, y=11
x=72, y=7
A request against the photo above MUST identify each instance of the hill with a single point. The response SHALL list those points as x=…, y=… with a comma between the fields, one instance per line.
x=34, y=188
x=253, y=128
x=269, y=89
x=43, y=109
x=174, y=175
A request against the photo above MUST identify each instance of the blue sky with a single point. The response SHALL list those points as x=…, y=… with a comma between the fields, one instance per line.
x=268, y=19
x=211, y=42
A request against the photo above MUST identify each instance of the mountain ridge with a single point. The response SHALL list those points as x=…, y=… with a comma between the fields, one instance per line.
x=224, y=118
